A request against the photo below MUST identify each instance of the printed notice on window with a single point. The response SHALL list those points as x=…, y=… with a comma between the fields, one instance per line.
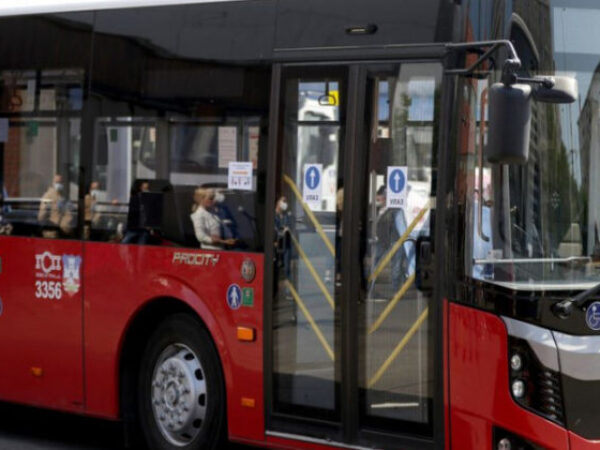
x=239, y=176
x=47, y=100
x=227, y=141
x=312, y=190
x=397, y=191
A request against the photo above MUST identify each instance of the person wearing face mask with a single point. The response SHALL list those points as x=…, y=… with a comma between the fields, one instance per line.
x=91, y=215
x=283, y=224
x=229, y=229
x=207, y=225
x=54, y=215
x=390, y=224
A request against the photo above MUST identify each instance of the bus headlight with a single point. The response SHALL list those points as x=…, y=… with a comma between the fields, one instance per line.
x=533, y=385
x=504, y=444
x=516, y=362
x=518, y=388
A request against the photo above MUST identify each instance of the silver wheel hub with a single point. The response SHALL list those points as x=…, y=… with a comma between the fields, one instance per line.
x=178, y=394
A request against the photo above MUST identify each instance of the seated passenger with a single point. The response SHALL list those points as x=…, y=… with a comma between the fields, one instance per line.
x=54, y=214
x=91, y=216
x=90, y=200
x=136, y=232
x=228, y=224
x=207, y=225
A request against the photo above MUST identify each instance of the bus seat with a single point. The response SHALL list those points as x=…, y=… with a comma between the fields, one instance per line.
x=176, y=223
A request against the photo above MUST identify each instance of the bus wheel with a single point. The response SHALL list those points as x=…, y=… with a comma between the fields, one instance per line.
x=181, y=400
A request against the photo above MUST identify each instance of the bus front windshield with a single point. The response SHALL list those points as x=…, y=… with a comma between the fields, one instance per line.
x=537, y=225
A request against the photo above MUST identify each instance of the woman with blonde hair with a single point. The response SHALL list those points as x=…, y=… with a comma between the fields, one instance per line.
x=207, y=225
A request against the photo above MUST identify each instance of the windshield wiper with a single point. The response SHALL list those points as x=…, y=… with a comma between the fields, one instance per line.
x=564, y=308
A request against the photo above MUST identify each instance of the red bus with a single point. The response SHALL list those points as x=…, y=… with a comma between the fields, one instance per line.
x=303, y=224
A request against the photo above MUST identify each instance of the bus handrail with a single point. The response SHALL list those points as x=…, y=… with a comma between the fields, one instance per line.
x=313, y=271
x=310, y=214
x=386, y=259
x=311, y=320
x=409, y=334
x=388, y=309
x=532, y=260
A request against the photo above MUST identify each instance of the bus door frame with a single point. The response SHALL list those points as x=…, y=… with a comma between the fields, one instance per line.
x=282, y=426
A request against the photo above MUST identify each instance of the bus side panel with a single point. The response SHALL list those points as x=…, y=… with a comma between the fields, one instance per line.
x=579, y=443
x=122, y=278
x=40, y=322
x=445, y=341
x=479, y=386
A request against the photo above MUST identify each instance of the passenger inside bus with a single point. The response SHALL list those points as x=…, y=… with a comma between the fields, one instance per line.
x=283, y=225
x=229, y=228
x=91, y=215
x=390, y=225
x=54, y=214
x=208, y=226
x=136, y=232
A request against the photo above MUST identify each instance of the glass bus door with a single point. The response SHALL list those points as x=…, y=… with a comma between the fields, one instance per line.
x=398, y=179
x=352, y=357
x=309, y=193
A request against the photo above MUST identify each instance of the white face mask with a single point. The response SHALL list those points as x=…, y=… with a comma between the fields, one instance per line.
x=283, y=206
x=219, y=197
x=95, y=193
x=379, y=203
x=58, y=187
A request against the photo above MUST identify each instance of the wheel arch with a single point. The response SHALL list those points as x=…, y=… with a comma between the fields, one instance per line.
x=137, y=333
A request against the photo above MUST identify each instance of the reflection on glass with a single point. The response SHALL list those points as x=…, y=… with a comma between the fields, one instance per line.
x=395, y=366
x=308, y=226
x=124, y=152
x=542, y=218
x=41, y=137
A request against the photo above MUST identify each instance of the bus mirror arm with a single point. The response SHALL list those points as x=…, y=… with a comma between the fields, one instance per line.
x=510, y=67
x=509, y=118
x=564, y=308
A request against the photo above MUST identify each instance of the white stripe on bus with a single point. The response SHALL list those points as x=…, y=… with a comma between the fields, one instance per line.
x=23, y=7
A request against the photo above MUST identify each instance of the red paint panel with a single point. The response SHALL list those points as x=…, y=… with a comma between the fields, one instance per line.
x=579, y=443
x=479, y=386
x=40, y=334
x=121, y=279
x=445, y=341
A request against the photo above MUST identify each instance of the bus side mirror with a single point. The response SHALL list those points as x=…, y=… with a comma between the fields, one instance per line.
x=510, y=114
x=509, y=123
x=557, y=90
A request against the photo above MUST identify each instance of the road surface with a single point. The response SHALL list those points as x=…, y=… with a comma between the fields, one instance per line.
x=24, y=428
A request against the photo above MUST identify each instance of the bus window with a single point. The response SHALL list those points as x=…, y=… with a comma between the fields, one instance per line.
x=40, y=141
x=178, y=124
x=124, y=152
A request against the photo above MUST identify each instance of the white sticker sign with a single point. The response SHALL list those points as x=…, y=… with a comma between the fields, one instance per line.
x=312, y=186
x=57, y=274
x=396, y=187
x=240, y=176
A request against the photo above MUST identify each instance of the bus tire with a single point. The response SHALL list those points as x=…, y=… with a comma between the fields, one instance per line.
x=181, y=395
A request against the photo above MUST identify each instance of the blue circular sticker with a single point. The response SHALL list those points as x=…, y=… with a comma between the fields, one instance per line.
x=397, y=181
x=592, y=316
x=234, y=296
x=312, y=177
